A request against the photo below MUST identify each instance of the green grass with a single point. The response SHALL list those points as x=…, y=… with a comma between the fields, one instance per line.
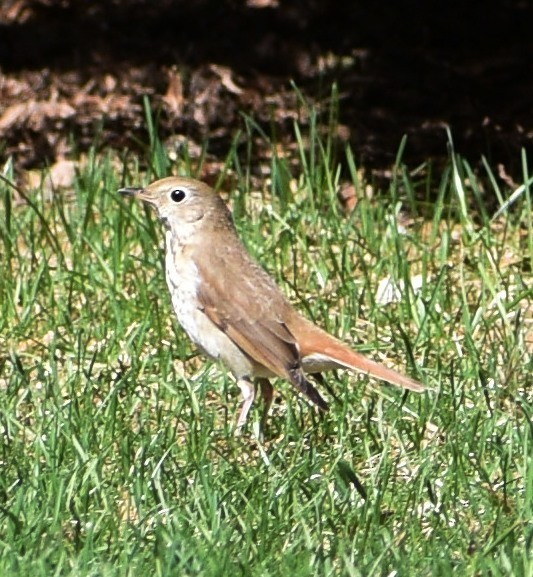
x=117, y=451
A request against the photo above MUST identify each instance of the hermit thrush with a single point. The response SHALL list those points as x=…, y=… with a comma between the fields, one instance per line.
x=232, y=309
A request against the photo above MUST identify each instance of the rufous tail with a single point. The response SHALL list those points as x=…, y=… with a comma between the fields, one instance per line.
x=322, y=351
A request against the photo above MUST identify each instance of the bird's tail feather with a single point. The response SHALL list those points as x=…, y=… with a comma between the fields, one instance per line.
x=320, y=351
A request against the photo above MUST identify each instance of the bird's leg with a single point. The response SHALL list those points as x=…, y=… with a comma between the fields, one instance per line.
x=248, y=391
x=267, y=392
x=248, y=394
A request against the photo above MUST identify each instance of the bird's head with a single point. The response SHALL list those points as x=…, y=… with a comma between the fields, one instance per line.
x=181, y=202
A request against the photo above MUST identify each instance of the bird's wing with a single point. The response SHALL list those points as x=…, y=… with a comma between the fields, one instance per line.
x=251, y=316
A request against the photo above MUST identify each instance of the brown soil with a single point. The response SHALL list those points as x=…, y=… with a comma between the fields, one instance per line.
x=77, y=72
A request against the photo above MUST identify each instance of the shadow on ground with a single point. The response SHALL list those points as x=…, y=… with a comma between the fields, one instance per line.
x=401, y=68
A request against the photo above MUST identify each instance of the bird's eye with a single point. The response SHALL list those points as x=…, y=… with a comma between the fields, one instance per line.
x=178, y=195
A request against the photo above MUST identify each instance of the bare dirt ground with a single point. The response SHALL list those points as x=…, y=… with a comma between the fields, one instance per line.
x=77, y=72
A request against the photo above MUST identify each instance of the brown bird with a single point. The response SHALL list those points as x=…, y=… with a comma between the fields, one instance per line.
x=232, y=309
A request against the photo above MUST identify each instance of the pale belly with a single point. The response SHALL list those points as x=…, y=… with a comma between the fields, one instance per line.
x=183, y=281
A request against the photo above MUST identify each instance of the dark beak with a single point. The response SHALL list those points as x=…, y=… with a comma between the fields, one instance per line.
x=130, y=191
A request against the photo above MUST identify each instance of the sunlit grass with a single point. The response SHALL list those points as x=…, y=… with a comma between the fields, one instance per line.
x=118, y=455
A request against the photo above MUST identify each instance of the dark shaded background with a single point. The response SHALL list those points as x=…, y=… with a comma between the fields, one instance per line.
x=406, y=67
